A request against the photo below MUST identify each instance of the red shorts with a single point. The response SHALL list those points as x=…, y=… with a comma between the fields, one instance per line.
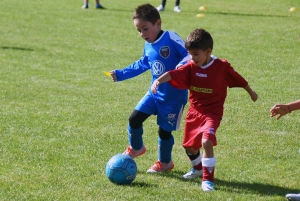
x=200, y=126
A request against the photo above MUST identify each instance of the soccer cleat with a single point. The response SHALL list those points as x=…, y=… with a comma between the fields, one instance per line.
x=160, y=8
x=134, y=153
x=293, y=197
x=193, y=174
x=177, y=9
x=207, y=186
x=99, y=7
x=159, y=167
x=85, y=6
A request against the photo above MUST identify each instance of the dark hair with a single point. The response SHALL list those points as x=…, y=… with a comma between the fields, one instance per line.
x=199, y=39
x=146, y=12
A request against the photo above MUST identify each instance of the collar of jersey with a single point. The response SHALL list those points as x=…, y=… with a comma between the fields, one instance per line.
x=158, y=38
x=210, y=63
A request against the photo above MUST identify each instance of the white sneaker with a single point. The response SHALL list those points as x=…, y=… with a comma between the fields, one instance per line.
x=193, y=174
x=160, y=8
x=293, y=197
x=207, y=186
x=177, y=9
x=85, y=6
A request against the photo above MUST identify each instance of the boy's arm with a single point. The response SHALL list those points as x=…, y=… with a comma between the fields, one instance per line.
x=134, y=69
x=294, y=105
x=252, y=93
x=162, y=79
x=283, y=109
x=236, y=80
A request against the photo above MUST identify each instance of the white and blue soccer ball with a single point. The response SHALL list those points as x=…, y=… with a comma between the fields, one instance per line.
x=121, y=169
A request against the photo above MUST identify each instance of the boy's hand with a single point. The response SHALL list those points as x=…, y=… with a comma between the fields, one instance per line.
x=252, y=93
x=254, y=96
x=280, y=110
x=154, y=86
x=113, y=75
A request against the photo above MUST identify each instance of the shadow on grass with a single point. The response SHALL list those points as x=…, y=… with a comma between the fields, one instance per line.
x=118, y=10
x=137, y=184
x=262, y=189
x=142, y=184
x=16, y=48
x=188, y=12
x=246, y=14
x=255, y=188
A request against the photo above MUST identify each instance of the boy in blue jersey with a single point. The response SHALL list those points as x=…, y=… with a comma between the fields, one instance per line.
x=163, y=51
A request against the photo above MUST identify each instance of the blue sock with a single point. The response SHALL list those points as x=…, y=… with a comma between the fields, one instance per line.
x=86, y=5
x=135, y=137
x=165, y=149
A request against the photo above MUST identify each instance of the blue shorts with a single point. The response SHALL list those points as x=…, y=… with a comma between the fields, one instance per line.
x=168, y=115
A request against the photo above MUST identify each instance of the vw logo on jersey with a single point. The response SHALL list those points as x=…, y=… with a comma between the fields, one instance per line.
x=164, y=51
x=158, y=68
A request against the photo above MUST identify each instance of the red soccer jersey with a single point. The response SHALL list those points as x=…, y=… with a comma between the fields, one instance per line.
x=207, y=84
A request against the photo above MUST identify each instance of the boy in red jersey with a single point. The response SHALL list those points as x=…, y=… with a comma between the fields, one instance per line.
x=207, y=79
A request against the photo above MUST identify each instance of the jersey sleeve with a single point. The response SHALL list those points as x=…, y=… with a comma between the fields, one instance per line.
x=180, y=77
x=179, y=47
x=234, y=78
x=134, y=69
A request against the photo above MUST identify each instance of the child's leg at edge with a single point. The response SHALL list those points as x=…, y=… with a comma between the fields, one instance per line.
x=97, y=3
x=163, y=2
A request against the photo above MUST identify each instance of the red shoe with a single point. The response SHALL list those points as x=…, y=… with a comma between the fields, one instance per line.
x=134, y=153
x=161, y=167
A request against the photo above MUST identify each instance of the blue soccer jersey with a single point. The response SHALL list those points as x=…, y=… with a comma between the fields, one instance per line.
x=162, y=55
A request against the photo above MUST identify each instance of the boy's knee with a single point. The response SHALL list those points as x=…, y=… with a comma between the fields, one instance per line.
x=191, y=150
x=206, y=143
x=137, y=118
x=135, y=121
x=164, y=135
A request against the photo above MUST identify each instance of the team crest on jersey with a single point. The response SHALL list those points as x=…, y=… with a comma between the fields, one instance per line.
x=158, y=68
x=164, y=51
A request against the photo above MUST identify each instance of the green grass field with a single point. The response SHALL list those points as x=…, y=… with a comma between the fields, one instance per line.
x=61, y=119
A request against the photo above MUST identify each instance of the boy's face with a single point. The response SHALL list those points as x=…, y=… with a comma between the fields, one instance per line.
x=147, y=30
x=200, y=57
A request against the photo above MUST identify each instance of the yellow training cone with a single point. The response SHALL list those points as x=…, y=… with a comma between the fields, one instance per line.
x=200, y=15
x=202, y=8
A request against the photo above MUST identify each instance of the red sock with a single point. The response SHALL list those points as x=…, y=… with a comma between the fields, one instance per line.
x=208, y=169
x=208, y=174
x=198, y=167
